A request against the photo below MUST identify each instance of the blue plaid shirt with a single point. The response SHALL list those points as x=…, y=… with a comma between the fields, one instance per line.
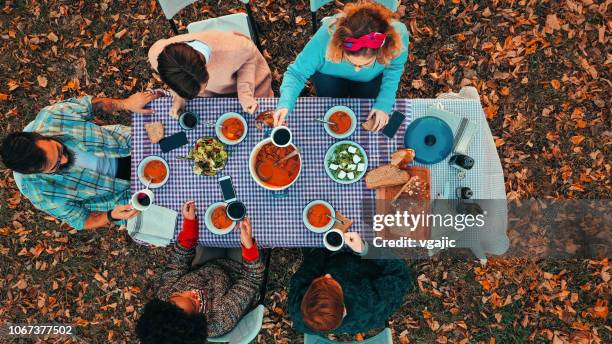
x=72, y=194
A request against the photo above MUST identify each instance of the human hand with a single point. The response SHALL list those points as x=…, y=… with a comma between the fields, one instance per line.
x=381, y=119
x=137, y=101
x=189, y=210
x=354, y=241
x=178, y=104
x=251, y=108
x=279, y=116
x=123, y=212
x=246, y=233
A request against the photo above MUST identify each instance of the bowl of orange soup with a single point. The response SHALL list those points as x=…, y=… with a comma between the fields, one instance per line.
x=216, y=219
x=317, y=216
x=343, y=119
x=267, y=170
x=231, y=128
x=154, y=169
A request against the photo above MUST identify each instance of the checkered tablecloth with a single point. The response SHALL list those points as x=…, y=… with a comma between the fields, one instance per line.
x=277, y=222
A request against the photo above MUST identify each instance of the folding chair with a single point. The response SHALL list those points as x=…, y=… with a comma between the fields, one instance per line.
x=249, y=326
x=316, y=4
x=239, y=22
x=384, y=337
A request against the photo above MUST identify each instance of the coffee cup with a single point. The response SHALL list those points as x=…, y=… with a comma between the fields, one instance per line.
x=281, y=136
x=333, y=239
x=235, y=210
x=142, y=200
x=188, y=120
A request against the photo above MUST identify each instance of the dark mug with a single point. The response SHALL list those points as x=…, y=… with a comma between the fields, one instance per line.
x=235, y=210
x=188, y=120
x=281, y=136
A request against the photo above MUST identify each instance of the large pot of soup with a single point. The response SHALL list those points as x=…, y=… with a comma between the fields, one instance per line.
x=269, y=171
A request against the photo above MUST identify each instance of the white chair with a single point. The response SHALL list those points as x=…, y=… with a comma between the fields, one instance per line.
x=246, y=330
x=384, y=337
x=316, y=4
x=239, y=22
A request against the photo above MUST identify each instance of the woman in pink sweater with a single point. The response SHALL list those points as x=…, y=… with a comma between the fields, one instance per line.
x=211, y=63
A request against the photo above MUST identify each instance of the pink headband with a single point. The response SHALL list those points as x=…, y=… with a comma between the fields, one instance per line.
x=373, y=40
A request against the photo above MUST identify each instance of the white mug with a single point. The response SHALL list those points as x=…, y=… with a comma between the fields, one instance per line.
x=275, y=130
x=328, y=245
x=136, y=202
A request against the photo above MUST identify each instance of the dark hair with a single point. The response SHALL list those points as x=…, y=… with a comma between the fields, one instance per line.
x=183, y=69
x=21, y=154
x=162, y=322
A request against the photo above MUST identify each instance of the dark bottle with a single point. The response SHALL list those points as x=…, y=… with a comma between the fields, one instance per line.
x=464, y=192
x=461, y=161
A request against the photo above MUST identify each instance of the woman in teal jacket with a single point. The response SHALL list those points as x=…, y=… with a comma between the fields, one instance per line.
x=360, y=53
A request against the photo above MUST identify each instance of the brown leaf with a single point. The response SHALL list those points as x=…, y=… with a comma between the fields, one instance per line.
x=52, y=37
x=42, y=81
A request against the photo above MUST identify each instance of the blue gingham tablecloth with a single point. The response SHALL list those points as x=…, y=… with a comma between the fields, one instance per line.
x=277, y=222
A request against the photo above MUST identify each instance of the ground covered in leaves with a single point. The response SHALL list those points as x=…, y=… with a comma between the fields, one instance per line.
x=543, y=72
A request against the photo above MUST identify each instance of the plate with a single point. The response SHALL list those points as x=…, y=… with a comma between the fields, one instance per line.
x=208, y=220
x=330, y=153
x=431, y=138
x=313, y=228
x=219, y=123
x=140, y=171
x=347, y=111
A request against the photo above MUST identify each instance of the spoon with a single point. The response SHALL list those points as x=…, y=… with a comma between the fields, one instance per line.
x=287, y=157
x=149, y=181
x=262, y=175
x=213, y=125
x=326, y=122
x=335, y=219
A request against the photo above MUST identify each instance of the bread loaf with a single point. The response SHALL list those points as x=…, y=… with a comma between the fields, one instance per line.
x=386, y=175
x=402, y=157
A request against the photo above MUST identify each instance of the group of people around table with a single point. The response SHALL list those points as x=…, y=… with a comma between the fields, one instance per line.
x=79, y=172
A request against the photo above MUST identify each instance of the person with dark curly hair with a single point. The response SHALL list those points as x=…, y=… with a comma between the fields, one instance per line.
x=209, y=64
x=208, y=300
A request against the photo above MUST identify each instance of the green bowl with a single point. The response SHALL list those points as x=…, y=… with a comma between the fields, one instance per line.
x=329, y=154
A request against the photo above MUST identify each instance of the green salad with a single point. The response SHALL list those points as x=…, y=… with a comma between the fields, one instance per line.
x=347, y=162
x=209, y=155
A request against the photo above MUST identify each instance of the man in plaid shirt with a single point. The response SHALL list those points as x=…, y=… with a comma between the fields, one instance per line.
x=73, y=169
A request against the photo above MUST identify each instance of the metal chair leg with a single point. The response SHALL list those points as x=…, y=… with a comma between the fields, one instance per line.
x=315, y=23
x=173, y=25
x=253, y=26
x=264, y=284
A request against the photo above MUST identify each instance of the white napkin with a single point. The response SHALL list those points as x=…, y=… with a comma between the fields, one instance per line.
x=153, y=226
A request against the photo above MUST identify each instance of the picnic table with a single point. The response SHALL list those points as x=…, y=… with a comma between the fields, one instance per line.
x=277, y=222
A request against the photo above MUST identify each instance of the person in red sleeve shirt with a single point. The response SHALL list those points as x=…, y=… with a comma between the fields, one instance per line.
x=208, y=301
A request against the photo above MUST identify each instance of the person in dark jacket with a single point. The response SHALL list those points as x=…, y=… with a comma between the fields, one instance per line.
x=208, y=301
x=343, y=293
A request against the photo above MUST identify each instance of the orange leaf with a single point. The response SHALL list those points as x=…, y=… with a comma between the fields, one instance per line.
x=505, y=91
x=4, y=96
x=555, y=84
x=601, y=309
x=490, y=111
x=576, y=139
x=108, y=37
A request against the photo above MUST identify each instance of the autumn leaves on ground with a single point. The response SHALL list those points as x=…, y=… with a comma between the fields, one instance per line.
x=542, y=69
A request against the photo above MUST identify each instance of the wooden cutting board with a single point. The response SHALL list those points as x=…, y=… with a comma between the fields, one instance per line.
x=419, y=204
